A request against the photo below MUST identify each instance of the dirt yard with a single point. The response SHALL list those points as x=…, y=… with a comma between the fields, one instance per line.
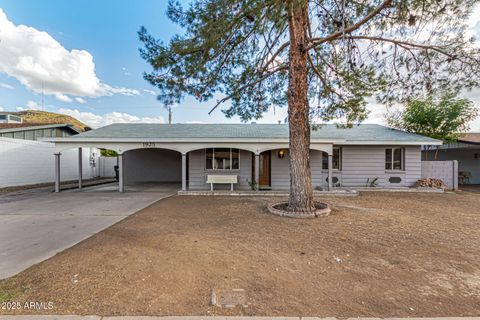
x=378, y=255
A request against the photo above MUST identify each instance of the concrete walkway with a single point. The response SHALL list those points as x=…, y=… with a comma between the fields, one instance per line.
x=210, y=318
x=37, y=225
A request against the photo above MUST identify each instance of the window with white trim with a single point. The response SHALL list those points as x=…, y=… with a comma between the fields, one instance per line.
x=222, y=159
x=395, y=159
x=336, y=159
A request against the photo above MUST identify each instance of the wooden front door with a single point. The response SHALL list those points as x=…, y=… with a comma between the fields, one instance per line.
x=264, y=179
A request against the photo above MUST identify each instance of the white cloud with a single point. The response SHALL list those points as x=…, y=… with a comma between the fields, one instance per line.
x=41, y=63
x=125, y=72
x=153, y=93
x=31, y=105
x=273, y=115
x=377, y=112
x=95, y=120
x=62, y=97
x=1, y=109
x=80, y=100
x=6, y=86
x=124, y=91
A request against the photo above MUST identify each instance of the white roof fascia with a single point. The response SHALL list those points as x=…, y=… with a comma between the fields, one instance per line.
x=180, y=140
x=240, y=140
x=393, y=142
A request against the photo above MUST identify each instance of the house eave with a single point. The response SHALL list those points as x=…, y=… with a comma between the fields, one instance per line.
x=39, y=127
x=235, y=140
x=393, y=142
x=184, y=140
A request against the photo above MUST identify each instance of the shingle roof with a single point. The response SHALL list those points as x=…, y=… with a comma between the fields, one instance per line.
x=360, y=133
x=472, y=137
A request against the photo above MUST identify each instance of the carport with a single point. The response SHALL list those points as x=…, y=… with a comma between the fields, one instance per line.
x=139, y=169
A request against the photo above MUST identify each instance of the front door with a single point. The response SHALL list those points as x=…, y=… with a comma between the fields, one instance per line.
x=264, y=179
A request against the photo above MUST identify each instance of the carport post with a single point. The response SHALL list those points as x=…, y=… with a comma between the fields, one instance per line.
x=257, y=171
x=57, y=172
x=330, y=169
x=184, y=172
x=80, y=169
x=120, y=172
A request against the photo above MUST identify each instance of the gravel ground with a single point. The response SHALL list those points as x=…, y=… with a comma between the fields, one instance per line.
x=376, y=255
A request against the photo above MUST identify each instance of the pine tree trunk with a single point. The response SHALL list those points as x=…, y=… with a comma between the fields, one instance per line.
x=301, y=192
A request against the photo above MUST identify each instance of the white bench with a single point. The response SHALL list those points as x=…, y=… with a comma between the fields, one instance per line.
x=222, y=178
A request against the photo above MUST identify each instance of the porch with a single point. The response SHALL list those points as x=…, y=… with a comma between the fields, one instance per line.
x=257, y=167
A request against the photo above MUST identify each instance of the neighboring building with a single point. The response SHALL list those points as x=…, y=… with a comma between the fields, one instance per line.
x=188, y=153
x=467, y=152
x=10, y=118
x=25, y=159
x=35, y=131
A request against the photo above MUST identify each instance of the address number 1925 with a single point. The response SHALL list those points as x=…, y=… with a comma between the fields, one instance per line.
x=149, y=144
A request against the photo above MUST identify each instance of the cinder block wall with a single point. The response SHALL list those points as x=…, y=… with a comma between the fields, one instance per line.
x=447, y=171
x=106, y=166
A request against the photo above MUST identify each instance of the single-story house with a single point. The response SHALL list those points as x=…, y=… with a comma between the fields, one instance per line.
x=6, y=117
x=466, y=150
x=193, y=153
x=36, y=131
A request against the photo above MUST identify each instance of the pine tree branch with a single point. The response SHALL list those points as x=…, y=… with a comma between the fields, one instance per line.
x=322, y=79
x=274, y=56
x=403, y=44
x=316, y=41
x=251, y=84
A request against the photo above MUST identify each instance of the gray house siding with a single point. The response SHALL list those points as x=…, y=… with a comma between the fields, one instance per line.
x=197, y=174
x=280, y=172
x=359, y=163
x=413, y=165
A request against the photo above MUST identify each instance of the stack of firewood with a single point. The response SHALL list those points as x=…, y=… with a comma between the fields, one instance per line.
x=430, y=183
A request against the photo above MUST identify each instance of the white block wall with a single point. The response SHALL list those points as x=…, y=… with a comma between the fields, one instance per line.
x=447, y=171
x=106, y=167
x=25, y=162
x=466, y=160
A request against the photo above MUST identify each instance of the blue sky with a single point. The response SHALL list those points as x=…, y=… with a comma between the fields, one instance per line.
x=97, y=39
x=107, y=30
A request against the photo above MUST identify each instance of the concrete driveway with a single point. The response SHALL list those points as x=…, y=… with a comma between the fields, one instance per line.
x=35, y=225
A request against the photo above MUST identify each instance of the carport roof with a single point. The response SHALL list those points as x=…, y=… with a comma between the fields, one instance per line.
x=360, y=134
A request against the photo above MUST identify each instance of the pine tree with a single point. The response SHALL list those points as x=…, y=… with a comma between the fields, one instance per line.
x=321, y=58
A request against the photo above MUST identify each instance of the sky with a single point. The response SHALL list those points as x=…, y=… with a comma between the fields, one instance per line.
x=83, y=55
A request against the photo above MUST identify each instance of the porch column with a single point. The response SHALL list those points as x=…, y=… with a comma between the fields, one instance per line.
x=257, y=171
x=57, y=172
x=80, y=182
x=184, y=172
x=330, y=178
x=120, y=172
